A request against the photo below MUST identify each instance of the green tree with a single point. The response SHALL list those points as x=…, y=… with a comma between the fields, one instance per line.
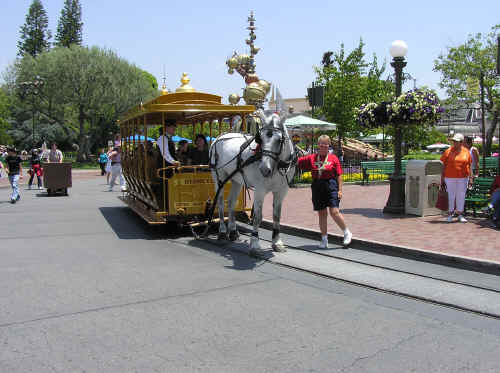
x=4, y=117
x=151, y=78
x=69, y=27
x=85, y=92
x=461, y=67
x=35, y=33
x=349, y=81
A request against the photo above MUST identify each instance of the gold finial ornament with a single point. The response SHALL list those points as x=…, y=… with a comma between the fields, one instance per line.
x=256, y=89
x=164, y=89
x=234, y=98
x=185, y=87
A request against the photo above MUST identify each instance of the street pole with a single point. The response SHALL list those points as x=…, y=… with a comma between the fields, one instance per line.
x=312, y=116
x=32, y=88
x=483, y=126
x=33, y=126
x=396, y=202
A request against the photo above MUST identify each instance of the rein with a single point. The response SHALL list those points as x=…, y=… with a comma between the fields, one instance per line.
x=282, y=166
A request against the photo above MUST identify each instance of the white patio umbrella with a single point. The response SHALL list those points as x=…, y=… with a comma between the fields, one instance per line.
x=437, y=146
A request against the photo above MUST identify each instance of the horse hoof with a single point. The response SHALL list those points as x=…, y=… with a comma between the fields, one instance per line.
x=222, y=236
x=279, y=248
x=233, y=235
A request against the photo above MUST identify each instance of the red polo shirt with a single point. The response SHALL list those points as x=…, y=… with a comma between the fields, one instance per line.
x=313, y=162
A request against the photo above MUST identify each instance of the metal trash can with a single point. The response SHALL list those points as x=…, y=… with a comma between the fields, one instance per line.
x=57, y=177
x=423, y=179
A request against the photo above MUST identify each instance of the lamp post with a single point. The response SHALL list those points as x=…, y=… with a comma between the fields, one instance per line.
x=483, y=126
x=32, y=88
x=396, y=202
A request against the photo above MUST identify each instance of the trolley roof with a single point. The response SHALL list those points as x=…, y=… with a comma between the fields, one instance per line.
x=185, y=106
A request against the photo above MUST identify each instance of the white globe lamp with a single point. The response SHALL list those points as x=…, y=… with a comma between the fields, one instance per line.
x=398, y=48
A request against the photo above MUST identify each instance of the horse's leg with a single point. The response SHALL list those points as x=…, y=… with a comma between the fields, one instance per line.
x=222, y=225
x=277, y=203
x=231, y=204
x=257, y=219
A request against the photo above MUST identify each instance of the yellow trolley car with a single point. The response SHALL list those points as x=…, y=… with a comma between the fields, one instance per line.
x=160, y=193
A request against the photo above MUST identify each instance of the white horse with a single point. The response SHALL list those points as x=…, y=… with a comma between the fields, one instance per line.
x=265, y=163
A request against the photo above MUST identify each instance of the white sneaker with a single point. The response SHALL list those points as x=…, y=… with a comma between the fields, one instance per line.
x=461, y=219
x=449, y=219
x=323, y=244
x=40, y=188
x=347, y=237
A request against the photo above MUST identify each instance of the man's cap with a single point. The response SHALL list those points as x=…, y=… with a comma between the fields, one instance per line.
x=458, y=137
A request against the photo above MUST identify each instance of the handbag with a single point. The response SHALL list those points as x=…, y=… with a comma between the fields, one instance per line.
x=442, y=199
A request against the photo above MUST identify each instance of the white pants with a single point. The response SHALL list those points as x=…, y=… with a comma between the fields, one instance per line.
x=457, y=187
x=116, y=171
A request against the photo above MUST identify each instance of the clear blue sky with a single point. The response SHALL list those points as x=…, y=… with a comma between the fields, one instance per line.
x=198, y=36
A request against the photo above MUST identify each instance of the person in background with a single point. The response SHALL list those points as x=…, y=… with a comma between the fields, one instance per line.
x=103, y=160
x=108, y=164
x=182, y=152
x=199, y=154
x=3, y=154
x=36, y=169
x=474, y=153
x=116, y=169
x=55, y=155
x=15, y=170
x=326, y=188
x=495, y=200
x=457, y=176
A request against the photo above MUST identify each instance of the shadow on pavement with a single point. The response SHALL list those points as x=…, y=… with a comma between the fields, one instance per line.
x=373, y=213
x=127, y=225
x=236, y=251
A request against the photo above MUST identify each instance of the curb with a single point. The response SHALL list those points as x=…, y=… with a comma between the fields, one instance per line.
x=391, y=249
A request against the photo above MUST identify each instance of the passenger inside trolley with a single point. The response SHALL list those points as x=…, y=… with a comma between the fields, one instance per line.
x=199, y=154
x=183, y=152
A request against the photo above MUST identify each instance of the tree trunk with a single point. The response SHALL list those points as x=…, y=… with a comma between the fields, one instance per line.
x=489, y=135
x=81, y=157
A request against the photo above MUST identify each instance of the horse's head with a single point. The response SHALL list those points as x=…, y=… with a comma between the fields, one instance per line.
x=272, y=137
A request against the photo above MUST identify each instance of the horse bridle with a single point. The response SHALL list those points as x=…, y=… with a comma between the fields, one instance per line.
x=273, y=155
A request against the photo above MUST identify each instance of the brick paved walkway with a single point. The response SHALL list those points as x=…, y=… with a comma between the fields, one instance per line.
x=362, y=208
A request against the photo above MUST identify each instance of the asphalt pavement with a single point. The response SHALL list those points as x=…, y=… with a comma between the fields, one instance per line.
x=86, y=286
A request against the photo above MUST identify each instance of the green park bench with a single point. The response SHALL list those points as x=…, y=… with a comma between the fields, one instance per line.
x=478, y=195
x=491, y=165
x=379, y=168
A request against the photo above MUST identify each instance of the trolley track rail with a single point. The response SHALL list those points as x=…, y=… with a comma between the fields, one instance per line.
x=384, y=267
x=403, y=294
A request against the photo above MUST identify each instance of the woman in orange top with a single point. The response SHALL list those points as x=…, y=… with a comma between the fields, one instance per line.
x=457, y=175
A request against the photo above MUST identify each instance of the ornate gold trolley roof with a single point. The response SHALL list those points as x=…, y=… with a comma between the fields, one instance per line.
x=185, y=105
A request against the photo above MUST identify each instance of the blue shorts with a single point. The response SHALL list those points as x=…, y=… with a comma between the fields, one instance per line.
x=325, y=194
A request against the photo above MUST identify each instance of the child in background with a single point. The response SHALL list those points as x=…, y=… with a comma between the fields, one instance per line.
x=13, y=162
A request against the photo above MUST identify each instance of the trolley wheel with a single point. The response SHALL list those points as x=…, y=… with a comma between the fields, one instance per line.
x=66, y=191
x=49, y=192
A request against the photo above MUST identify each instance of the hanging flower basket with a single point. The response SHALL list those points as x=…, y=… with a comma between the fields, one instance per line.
x=414, y=107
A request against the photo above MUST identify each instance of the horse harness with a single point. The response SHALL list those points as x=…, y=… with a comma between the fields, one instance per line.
x=282, y=166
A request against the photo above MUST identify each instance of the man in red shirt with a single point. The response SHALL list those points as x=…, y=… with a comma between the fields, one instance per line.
x=326, y=188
